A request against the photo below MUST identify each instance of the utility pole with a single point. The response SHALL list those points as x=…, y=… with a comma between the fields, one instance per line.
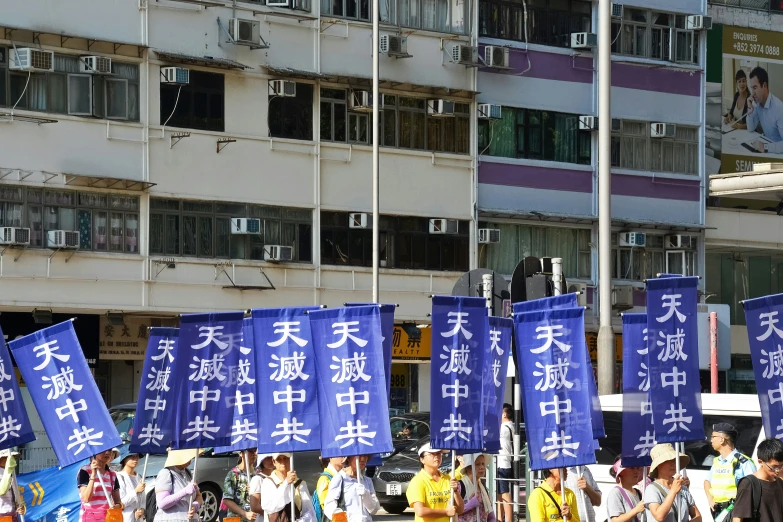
x=606, y=350
x=376, y=42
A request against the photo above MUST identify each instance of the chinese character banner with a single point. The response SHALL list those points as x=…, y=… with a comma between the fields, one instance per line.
x=286, y=379
x=15, y=428
x=499, y=350
x=352, y=394
x=387, y=328
x=765, y=335
x=551, y=357
x=153, y=426
x=52, y=364
x=459, y=343
x=209, y=347
x=638, y=430
x=673, y=347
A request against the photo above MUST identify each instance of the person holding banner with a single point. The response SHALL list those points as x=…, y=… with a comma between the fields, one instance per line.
x=429, y=491
x=624, y=501
x=331, y=467
x=728, y=468
x=547, y=503
x=276, y=494
x=581, y=482
x=236, y=490
x=477, y=494
x=174, y=488
x=9, y=500
x=666, y=498
x=265, y=467
x=132, y=488
x=96, y=482
x=356, y=497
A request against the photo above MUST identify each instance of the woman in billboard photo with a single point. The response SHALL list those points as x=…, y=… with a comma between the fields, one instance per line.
x=739, y=107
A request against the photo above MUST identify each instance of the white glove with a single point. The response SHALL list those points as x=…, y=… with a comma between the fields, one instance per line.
x=360, y=489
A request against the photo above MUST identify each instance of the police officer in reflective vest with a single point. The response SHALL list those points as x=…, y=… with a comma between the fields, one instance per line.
x=727, y=469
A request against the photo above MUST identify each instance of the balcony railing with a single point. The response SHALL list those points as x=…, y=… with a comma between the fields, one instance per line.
x=761, y=5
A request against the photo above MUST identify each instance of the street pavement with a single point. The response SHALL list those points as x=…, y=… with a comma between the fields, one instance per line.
x=383, y=516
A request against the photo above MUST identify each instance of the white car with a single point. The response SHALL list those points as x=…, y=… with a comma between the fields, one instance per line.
x=742, y=411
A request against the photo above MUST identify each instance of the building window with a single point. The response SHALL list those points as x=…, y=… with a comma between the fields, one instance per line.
x=353, y=9
x=443, y=16
x=105, y=222
x=633, y=148
x=405, y=242
x=67, y=90
x=520, y=241
x=534, y=134
x=297, y=5
x=550, y=22
x=638, y=264
x=292, y=117
x=203, y=229
x=655, y=35
x=197, y=105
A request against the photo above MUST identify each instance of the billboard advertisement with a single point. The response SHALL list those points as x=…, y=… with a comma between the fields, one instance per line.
x=744, y=100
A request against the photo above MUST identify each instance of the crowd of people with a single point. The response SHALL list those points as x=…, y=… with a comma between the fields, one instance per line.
x=737, y=488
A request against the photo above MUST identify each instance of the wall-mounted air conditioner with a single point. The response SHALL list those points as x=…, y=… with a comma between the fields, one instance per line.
x=95, y=65
x=278, y=253
x=584, y=40
x=489, y=111
x=440, y=108
x=361, y=101
x=29, y=59
x=581, y=290
x=14, y=236
x=244, y=226
x=617, y=11
x=622, y=297
x=245, y=32
x=661, y=130
x=282, y=88
x=698, y=23
x=176, y=75
x=464, y=55
x=588, y=123
x=359, y=220
x=679, y=242
x=489, y=235
x=444, y=226
x=62, y=239
x=394, y=45
x=496, y=56
x=632, y=239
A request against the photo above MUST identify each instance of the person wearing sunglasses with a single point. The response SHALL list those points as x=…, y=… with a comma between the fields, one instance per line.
x=727, y=468
x=760, y=495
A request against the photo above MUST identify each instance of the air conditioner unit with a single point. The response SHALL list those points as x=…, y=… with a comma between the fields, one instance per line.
x=282, y=88
x=661, y=130
x=678, y=242
x=278, y=253
x=698, y=23
x=588, y=123
x=584, y=40
x=394, y=45
x=622, y=297
x=176, y=75
x=617, y=10
x=489, y=111
x=14, y=236
x=245, y=32
x=95, y=65
x=361, y=101
x=244, y=226
x=444, y=226
x=464, y=54
x=496, y=56
x=359, y=220
x=62, y=239
x=489, y=235
x=632, y=239
x=581, y=290
x=440, y=108
x=29, y=59
x=617, y=124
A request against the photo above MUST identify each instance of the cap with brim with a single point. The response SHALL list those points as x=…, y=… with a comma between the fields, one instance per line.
x=618, y=468
x=724, y=427
x=276, y=455
x=261, y=457
x=181, y=457
x=469, y=458
x=126, y=457
x=663, y=453
x=427, y=448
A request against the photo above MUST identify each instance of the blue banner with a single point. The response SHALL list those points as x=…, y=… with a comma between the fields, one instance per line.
x=352, y=395
x=51, y=494
x=459, y=337
x=243, y=405
x=551, y=354
x=499, y=331
x=15, y=428
x=547, y=303
x=675, y=384
x=387, y=329
x=637, y=428
x=285, y=365
x=153, y=426
x=209, y=346
x=765, y=335
x=52, y=364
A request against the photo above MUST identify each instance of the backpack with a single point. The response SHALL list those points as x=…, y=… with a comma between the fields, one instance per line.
x=755, y=496
x=319, y=514
x=151, y=504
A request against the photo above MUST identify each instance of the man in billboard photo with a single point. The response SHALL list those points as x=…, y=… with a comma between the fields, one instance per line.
x=765, y=109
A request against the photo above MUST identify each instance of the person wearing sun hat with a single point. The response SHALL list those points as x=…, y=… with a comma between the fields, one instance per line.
x=476, y=493
x=96, y=482
x=132, y=488
x=624, y=501
x=276, y=494
x=429, y=490
x=666, y=499
x=11, y=505
x=174, y=488
x=265, y=466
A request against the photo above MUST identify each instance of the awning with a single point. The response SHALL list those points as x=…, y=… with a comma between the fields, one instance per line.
x=764, y=182
x=7, y=116
x=80, y=180
x=292, y=73
x=8, y=34
x=203, y=61
x=589, y=220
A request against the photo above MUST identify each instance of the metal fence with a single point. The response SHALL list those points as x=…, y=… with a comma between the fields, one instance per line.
x=761, y=5
x=34, y=459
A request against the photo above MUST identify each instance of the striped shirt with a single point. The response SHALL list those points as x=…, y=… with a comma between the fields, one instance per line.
x=98, y=500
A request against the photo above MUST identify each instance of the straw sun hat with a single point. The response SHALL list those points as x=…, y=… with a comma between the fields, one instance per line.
x=181, y=457
x=663, y=453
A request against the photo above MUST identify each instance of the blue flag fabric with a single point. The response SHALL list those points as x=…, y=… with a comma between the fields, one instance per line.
x=209, y=347
x=351, y=386
x=551, y=354
x=51, y=494
x=675, y=385
x=285, y=366
x=153, y=426
x=15, y=428
x=52, y=363
x=547, y=303
x=243, y=405
x=638, y=430
x=387, y=329
x=763, y=315
x=459, y=337
x=499, y=331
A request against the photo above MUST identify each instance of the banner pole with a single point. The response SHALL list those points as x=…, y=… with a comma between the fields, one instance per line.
x=478, y=491
x=144, y=472
x=15, y=485
x=644, y=482
x=677, y=457
x=195, y=472
x=109, y=499
x=562, y=483
x=453, y=474
x=247, y=468
x=293, y=493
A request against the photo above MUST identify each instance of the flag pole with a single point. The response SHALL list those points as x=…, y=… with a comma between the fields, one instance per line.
x=293, y=492
x=247, y=468
x=15, y=485
x=562, y=484
x=146, y=461
x=195, y=472
x=453, y=474
x=109, y=499
x=476, y=485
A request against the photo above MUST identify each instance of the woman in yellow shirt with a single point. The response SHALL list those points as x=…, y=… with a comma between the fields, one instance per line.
x=430, y=490
x=546, y=504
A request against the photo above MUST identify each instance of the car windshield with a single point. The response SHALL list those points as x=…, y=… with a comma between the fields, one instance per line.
x=404, y=428
x=123, y=420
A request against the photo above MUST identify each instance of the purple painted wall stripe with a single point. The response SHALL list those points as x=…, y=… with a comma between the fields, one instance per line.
x=535, y=177
x=661, y=188
x=562, y=67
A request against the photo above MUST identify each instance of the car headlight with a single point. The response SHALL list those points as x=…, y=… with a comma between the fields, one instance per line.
x=386, y=455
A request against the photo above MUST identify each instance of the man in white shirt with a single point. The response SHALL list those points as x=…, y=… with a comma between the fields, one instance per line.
x=581, y=482
x=354, y=496
x=765, y=109
x=505, y=510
